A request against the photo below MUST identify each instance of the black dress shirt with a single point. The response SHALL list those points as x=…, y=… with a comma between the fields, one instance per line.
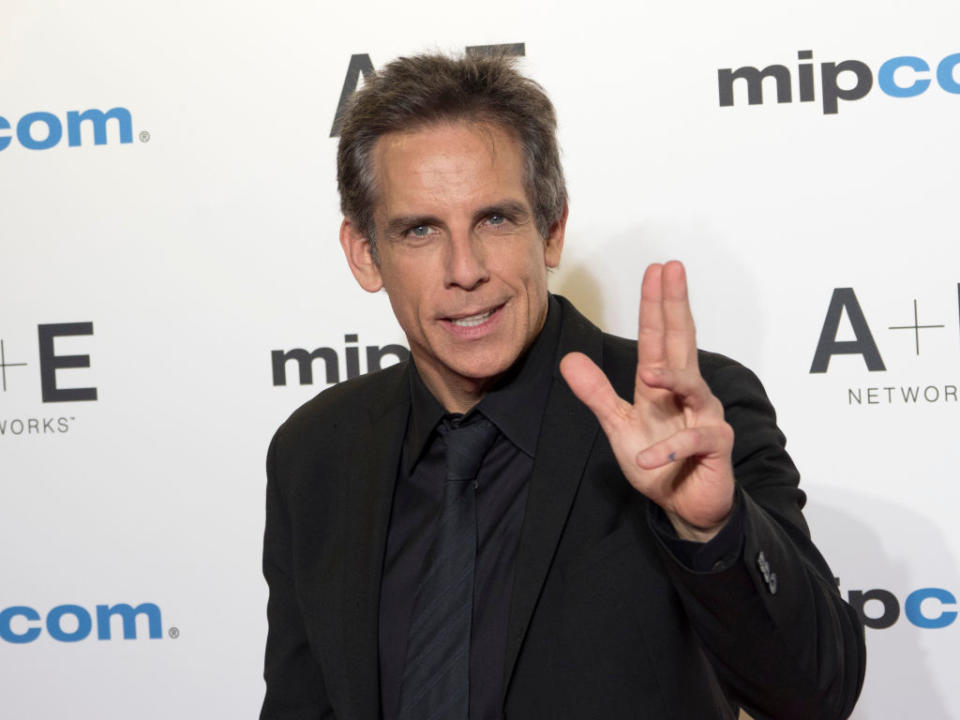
x=516, y=407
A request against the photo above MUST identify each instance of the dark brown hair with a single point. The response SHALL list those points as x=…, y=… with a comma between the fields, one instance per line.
x=413, y=92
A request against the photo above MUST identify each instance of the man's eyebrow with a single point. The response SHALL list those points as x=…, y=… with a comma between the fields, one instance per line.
x=510, y=209
x=402, y=223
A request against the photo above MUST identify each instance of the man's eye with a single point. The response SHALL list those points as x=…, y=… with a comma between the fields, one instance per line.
x=496, y=219
x=419, y=231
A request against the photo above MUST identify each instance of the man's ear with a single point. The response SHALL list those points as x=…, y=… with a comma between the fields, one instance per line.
x=356, y=247
x=553, y=243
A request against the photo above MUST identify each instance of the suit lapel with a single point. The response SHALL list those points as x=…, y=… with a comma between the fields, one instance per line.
x=368, y=497
x=567, y=434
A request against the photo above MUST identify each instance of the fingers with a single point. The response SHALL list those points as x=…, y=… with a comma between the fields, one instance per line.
x=716, y=440
x=666, y=334
x=593, y=389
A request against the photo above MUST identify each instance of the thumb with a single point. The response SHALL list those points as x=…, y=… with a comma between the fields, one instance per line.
x=593, y=389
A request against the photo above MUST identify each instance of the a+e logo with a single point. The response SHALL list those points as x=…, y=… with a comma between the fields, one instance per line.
x=50, y=362
x=863, y=344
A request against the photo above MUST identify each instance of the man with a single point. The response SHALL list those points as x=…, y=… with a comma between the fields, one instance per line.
x=628, y=541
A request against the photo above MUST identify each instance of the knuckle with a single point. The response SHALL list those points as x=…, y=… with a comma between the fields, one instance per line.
x=726, y=433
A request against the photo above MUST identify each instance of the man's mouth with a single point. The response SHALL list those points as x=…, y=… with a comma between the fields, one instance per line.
x=473, y=320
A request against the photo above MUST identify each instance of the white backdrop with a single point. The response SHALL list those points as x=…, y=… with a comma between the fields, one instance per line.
x=186, y=256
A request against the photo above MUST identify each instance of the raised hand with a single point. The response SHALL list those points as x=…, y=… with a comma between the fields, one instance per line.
x=672, y=442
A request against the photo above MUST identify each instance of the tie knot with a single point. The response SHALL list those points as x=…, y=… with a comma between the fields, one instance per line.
x=466, y=446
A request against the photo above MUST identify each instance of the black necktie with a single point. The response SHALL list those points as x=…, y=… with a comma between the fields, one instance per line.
x=436, y=675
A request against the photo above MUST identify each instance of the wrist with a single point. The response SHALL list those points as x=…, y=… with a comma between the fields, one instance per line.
x=697, y=533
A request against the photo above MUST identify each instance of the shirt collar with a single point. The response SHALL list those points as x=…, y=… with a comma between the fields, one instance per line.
x=515, y=405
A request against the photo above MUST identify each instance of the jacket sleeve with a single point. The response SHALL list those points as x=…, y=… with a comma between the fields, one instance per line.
x=295, y=686
x=773, y=623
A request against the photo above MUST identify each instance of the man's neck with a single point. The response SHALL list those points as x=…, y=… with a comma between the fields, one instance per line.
x=458, y=394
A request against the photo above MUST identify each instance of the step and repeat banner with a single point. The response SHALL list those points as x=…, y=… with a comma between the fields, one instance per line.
x=172, y=287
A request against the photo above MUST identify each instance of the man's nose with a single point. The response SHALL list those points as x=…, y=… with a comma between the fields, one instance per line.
x=466, y=261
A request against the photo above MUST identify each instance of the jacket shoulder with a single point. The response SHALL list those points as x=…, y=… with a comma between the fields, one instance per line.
x=347, y=403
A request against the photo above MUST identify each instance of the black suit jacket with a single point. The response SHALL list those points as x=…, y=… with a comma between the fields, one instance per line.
x=605, y=622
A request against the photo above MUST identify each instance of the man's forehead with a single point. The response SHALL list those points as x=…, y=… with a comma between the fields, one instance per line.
x=498, y=142
x=456, y=158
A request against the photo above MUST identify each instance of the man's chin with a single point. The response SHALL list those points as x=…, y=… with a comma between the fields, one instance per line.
x=481, y=371
x=485, y=374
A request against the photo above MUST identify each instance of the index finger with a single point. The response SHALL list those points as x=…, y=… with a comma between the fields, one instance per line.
x=651, y=350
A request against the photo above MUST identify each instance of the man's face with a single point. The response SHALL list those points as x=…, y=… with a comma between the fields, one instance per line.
x=460, y=255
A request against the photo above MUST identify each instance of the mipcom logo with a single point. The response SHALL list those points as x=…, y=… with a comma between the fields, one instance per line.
x=42, y=130
x=22, y=624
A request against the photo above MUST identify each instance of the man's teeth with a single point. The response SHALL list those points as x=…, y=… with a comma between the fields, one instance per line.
x=473, y=320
